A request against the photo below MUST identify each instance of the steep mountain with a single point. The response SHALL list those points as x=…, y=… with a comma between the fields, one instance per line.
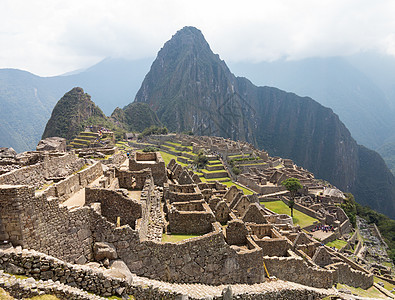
x=27, y=100
x=135, y=117
x=336, y=83
x=190, y=88
x=74, y=110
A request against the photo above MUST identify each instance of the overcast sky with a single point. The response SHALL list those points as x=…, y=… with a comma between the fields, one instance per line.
x=51, y=37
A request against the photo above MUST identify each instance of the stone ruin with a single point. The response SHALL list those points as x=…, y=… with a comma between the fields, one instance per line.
x=127, y=205
x=52, y=144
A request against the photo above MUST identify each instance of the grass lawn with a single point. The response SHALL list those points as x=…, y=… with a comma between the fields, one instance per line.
x=213, y=172
x=388, y=286
x=214, y=162
x=219, y=179
x=167, y=158
x=338, y=244
x=215, y=165
x=172, y=238
x=387, y=264
x=371, y=292
x=299, y=218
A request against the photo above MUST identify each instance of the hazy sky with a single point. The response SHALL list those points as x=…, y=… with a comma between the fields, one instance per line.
x=50, y=37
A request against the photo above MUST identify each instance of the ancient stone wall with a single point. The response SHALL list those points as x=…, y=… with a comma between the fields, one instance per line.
x=10, y=213
x=35, y=175
x=65, y=188
x=296, y=270
x=207, y=259
x=114, y=205
x=260, y=189
x=48, y=227
x=334, y=236
x=344, y=274
x=132, y=179
x=117, y=159
x=90, y=174
x=214, y=175
x=69, y=234
x=190, y=218
x=73, y=183
x=41, y=266
x=152, y=161
x=273, y=246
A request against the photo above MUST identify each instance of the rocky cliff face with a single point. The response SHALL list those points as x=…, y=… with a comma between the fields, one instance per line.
x=70, y=114
x=190, y=88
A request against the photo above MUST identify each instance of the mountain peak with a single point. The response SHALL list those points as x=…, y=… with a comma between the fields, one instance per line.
x=187, y=40
x=69, y=114
x=189, y=31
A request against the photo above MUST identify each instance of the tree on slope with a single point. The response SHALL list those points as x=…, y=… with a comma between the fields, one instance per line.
x=292, y=185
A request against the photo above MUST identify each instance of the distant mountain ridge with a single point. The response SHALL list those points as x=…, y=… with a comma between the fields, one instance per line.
x=27, y=100
x=190, y=88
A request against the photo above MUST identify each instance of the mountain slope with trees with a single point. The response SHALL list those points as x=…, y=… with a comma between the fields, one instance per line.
x=71, y=113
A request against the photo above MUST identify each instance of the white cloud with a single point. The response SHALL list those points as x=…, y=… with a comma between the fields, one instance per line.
x=50, y=37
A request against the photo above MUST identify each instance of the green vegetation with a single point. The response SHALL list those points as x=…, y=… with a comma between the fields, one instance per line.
x=174, y=144
x=236, y=170
x=153, y=130
x=201, y=160
x=245, y=190
x=168, y=157
x=136, y=117
x=338, y=244
x=299, y=218
x=292, y=185
x=350, y=208
x=384, y=223
x=72, y=113
x=214, y=162
x=220, y=179
x=388, y=286
x=371, y=292
x=150, y=149
x=173, y=238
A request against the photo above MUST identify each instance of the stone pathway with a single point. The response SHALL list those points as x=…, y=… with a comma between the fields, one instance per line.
x=202, y=291
x=156, y=224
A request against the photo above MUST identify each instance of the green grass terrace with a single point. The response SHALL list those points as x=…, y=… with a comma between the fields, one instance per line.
x=338, y=244
x=299, y=218
x=173, y=238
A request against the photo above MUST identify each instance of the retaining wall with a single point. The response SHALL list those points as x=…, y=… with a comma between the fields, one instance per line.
x=73, y=183
x=344, y=274
x=296, y=270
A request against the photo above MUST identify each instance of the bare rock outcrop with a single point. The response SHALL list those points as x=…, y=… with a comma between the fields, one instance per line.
x=52, y=143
